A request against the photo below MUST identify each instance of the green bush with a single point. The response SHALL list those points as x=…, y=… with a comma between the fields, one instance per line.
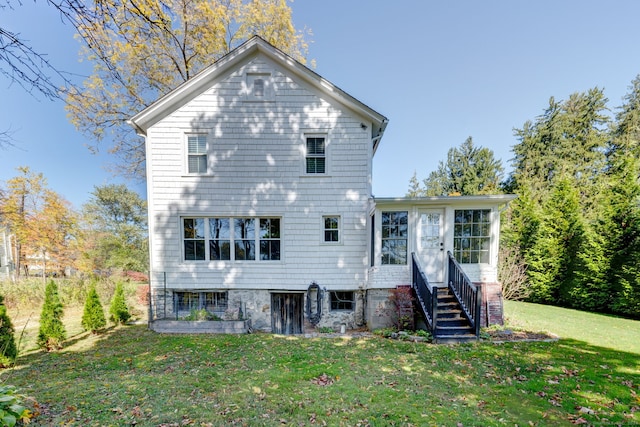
x=119, y=312
x=8, y=349
x=11, y=409
x=52, y=331
x=93, y=317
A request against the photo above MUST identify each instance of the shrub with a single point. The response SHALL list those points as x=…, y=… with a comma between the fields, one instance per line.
x=8, y=349
x=11, y=409
x=93, y=317
x=142, y=294
x=119, y=312
x=403, y=314
x=52, y=332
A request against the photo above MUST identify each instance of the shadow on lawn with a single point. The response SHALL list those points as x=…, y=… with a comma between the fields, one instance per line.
x=133, y=374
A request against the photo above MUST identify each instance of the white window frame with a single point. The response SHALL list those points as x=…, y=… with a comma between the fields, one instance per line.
x=306, y=156
x=256, y=238
x=394, y=237
x=468, y=237
x=324, y=230
x=188, y=154
x=267, y=92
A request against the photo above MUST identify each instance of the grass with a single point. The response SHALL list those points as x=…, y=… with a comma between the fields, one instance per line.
x=596, y=329
x=131, y=376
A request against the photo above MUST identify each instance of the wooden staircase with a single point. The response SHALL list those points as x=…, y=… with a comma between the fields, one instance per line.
x=451, y=325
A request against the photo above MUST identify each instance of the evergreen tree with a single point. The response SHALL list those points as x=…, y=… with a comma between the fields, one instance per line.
x=119, y=312
x=52, y=331
x=93, y=317
x=622, y=216
x=469, y=170
x=8, y=349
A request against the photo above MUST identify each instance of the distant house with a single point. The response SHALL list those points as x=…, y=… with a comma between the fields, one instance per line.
x=7, y=265
x=259, y=179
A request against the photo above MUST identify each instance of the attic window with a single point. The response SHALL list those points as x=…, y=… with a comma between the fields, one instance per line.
x=258, y=87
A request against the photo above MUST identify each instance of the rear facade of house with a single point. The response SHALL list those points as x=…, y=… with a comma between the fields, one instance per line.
x=259, y=178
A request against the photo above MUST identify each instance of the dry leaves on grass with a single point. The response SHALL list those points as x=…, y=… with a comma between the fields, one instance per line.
x=323, y=380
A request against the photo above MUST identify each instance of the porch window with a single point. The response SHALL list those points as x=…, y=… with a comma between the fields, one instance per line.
x=472, y=236
x=316, y=156
x=331, y=225
x=394, y=237
x=231, y=239
x=344, y=301
x=197, y=154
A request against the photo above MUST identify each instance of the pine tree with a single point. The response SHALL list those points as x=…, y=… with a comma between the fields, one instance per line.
x=118, y=310
x=52, y=331
x=93, y=317
x=8, y=349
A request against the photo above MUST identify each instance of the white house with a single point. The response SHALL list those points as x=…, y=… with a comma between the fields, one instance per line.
x=259, y=191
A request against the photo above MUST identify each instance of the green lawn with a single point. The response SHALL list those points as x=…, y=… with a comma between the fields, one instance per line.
x=131, y=376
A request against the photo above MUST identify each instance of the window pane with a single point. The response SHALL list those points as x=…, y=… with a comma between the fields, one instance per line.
x=270, y=250
x=193, y=250
x=219, y=250
x=219, y=228
x=270, y=228
x=331, y=236
x=197, y=164
x=197, y=144
x=193, y=228
x=244, y=228
x=245, y=250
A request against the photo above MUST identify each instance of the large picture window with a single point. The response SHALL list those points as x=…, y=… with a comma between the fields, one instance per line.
x=231, y=239
x=394, y=237
x=472, y=236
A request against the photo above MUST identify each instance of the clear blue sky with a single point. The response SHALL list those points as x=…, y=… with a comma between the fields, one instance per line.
x=439, y=70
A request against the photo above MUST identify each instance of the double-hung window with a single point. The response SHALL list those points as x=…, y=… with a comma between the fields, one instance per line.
x=394, y=237
x=331, y=229
x=197, y=154
x=315, y=158
x=472, y=236
x=231, y=239
x=194, y=247
x=244, y=235
x=269, y=239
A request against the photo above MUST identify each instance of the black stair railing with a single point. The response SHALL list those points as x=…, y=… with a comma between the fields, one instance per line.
x=427, y=297
x=469, y=296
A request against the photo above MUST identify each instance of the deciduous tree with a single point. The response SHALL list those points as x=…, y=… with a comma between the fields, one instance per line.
x=142, y=49
x=115, y=230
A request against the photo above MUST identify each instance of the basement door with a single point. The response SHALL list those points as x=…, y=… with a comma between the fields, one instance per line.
x=287, y=313
x=431, y=243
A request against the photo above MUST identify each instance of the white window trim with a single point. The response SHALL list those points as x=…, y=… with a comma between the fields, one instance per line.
x=268, y=88
x=327, y=154
x=185, y=153
x=232, y=238
x=323, y=229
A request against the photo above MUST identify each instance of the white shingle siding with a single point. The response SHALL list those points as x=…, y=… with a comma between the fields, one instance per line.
x=257, y=169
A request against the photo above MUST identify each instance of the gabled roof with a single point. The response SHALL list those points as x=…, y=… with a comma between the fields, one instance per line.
x=203, y=80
